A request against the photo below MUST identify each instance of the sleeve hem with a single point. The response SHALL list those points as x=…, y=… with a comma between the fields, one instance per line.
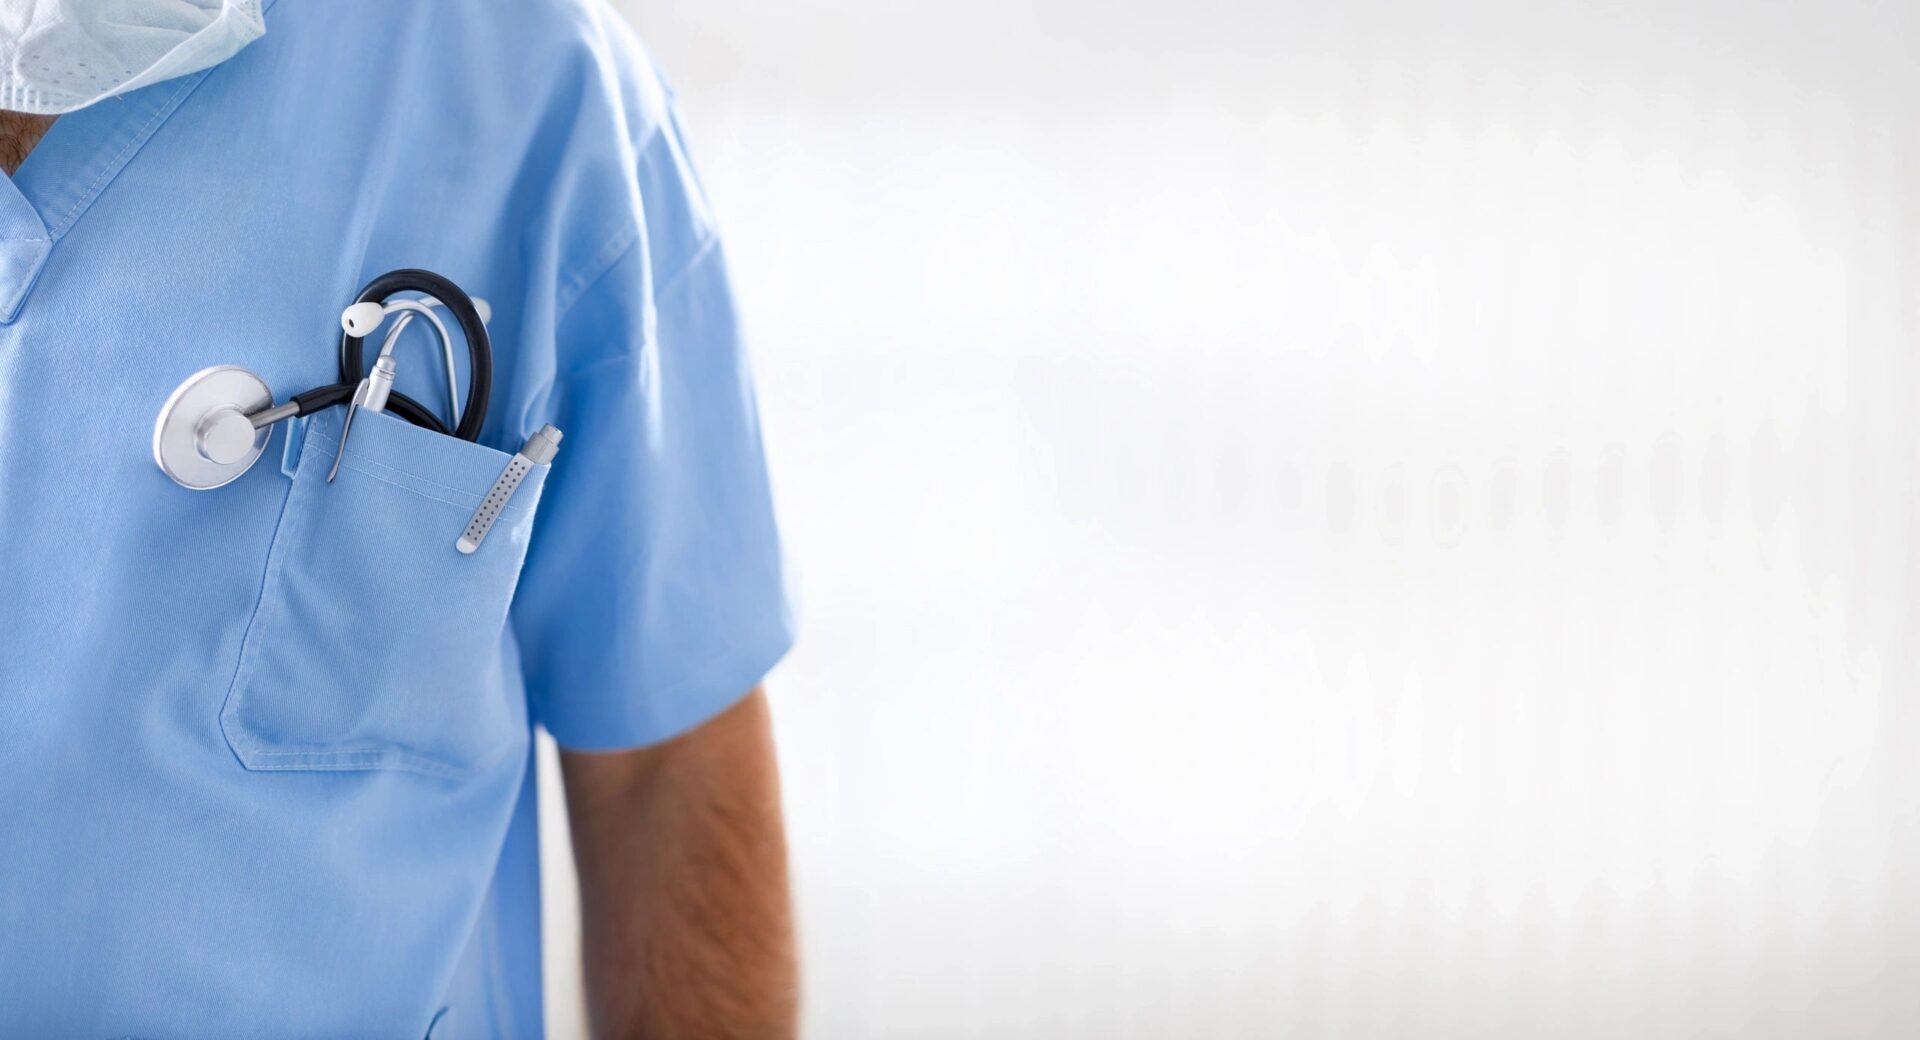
x=680, y=706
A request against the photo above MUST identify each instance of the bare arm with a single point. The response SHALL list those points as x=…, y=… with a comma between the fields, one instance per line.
x=684, y=905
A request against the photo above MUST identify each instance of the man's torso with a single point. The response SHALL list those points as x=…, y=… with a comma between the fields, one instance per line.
x=262, y=726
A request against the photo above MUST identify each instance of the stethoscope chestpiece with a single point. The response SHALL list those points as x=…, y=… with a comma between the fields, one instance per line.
x=203, y=438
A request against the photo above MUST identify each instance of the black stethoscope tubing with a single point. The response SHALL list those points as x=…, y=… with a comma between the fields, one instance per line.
x=479, y=356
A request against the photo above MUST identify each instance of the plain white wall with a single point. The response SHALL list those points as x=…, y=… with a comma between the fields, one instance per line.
x=1334, y=519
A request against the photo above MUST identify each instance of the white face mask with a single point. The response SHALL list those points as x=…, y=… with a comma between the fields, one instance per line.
x=60, y=55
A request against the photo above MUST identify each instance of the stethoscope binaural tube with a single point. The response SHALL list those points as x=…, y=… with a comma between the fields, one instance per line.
x=479, y=357
x=479, y=347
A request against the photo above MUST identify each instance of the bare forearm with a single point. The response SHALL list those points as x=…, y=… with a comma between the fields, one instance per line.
x=685, y=914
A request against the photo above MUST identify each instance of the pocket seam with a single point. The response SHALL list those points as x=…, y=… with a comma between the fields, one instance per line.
x=251, y=753
x=357, y=457
x=284, y=527
x=358, y=462
x=371, y=475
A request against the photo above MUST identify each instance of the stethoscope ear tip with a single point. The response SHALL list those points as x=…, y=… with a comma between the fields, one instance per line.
x=361, y=319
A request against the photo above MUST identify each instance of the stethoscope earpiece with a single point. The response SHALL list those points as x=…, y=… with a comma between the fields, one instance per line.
x=362, y=318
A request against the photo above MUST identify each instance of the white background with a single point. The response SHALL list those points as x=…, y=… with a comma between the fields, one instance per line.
x=1333, y=519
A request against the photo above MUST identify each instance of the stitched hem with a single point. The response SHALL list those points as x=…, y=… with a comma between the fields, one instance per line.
x=695, y=697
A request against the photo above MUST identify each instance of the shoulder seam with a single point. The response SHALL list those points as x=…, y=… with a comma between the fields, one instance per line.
x=606, y=258
x=615, y=248
x=707, y=249
x=699, y=257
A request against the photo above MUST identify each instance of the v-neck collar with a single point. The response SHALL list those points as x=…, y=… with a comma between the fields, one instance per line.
x=81, y=153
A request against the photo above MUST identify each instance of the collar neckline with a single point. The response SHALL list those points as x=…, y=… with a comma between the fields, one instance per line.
x=80, y=155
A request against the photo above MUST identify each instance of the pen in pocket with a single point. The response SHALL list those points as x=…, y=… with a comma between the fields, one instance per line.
x=540, y=448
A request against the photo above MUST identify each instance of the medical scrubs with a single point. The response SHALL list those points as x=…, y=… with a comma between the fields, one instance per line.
x=265, y=749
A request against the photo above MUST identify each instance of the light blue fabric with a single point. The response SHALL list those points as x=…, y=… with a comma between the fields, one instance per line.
x=265, y=749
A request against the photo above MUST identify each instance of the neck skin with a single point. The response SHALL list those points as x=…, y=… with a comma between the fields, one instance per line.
x=19, y=132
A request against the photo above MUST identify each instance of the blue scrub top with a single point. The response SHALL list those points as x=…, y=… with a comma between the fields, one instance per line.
x=265, y=749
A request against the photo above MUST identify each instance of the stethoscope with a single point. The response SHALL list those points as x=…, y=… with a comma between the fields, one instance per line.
x=215, y=425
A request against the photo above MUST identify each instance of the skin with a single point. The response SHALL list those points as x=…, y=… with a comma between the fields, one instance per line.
x=19, y=132
x=686, y=919
x=685, y=914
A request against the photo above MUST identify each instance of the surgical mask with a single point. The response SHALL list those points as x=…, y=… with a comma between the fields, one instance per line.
x=60, y=55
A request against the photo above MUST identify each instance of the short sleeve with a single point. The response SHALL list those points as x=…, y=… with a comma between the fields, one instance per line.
x=653, y=594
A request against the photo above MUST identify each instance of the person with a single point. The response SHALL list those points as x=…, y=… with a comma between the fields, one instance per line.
x=267, y=748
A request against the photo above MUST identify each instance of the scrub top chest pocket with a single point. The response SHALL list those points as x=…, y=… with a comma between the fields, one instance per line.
x=376, y=643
